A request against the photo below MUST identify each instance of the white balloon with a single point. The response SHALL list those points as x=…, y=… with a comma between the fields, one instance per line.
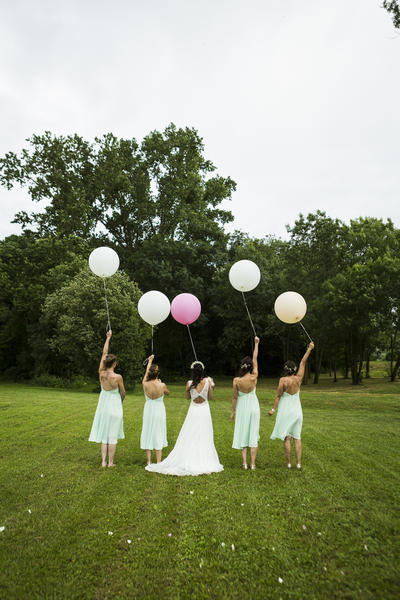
x=244, y=275
x=104, y=261
x=154, y=307
x=290, y=307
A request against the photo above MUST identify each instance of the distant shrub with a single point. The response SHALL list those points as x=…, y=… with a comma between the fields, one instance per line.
x=46, y=380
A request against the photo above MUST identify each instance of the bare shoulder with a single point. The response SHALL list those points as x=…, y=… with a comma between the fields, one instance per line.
x=236, y=380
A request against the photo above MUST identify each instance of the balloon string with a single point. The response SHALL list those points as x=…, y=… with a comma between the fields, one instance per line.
x=190, y=335
x=152, y=334
x=248, y=312
x=305, y=331
x=108, y=328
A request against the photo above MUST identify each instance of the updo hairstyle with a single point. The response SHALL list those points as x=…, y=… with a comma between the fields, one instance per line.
x=289, y=368
x=109, y=360
x=153, y=373
x=246, y=366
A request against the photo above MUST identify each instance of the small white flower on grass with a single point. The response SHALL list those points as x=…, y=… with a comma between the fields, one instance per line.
x=129, y=541
x=170, y=535
x=325, y=569
x=304, y=527
x=191, y=491
x=201, y=563
x=41, y=474
x=223, y=544
x=233, y=546
x=29, y=511
x=273, y=548
x=139, y=539
x=110, y=533
x=280, y=579
x=319, y=533
x=268, y=505
x=242, y=504
x=2, y=528
x=365, y=547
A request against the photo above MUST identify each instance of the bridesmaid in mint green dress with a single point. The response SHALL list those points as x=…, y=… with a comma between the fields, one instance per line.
x=289, y=418
x=245, y=403
x=107, y=426
x=154, y=428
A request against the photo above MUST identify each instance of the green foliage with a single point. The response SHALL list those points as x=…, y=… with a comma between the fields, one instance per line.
x=74, y=320
x=393, y=8
x=30, y=269
x=346, y=496
x=158, y=204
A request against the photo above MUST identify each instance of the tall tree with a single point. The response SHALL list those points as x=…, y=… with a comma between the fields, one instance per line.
x=73, y=324
x=30, y=269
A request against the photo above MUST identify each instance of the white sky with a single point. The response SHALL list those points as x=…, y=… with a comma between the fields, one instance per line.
x=297, y=101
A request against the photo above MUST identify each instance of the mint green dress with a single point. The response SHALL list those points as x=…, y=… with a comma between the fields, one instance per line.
x=107, y=425
x=289, y=417
x=247, y=421
x=154, y=428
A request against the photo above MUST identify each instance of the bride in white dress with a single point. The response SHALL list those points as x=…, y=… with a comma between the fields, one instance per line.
x=194, y=452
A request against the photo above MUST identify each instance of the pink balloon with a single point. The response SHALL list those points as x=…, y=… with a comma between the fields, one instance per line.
x=185, y=308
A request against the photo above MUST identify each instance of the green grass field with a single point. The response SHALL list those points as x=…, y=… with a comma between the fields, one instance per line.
x=329, y=531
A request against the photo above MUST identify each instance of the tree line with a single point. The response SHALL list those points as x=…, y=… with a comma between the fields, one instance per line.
x=158, y=204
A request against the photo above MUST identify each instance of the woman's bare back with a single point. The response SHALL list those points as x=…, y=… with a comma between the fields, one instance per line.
x=247, y=383
x=109, y=380
x=154, y=388
x=291, y=384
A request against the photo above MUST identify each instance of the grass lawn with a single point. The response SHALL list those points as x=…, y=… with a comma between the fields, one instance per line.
x=329, y=531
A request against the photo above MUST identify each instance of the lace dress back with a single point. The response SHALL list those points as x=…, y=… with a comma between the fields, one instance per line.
x=194, y=394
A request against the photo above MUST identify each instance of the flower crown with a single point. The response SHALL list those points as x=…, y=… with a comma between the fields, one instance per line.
x=197, y=362
x=245, y=365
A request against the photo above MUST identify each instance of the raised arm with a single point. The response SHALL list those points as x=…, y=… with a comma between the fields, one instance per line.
x=279, y=392
x=105, y=349
x=149, y=363
x=255, y=356
x=234, y=398
x=302, y=366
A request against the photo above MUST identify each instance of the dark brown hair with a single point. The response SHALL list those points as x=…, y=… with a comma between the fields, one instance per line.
x=290, y=367
x=153, y=373
x=246, y=366
x=109, y=360
x=197, y=374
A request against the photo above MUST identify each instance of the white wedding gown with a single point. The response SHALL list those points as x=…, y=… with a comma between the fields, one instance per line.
x=194, y=452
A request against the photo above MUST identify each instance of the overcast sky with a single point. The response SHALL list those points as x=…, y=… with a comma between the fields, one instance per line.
x=297, y=101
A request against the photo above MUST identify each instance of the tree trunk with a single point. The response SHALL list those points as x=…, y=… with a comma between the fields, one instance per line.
x=367, y=374
x=393, y=372
x=334, y=370
x=318, y=362
x=346, y=364
x=360, y=364
x=353, y=363
x=306, y=374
